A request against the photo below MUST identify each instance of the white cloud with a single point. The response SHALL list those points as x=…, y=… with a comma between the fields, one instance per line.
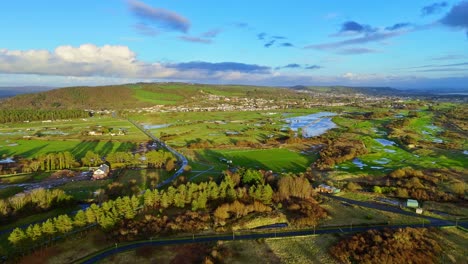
x=89, y=64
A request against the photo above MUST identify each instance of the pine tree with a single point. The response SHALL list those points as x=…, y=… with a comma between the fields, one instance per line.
x=63, y=224
x=267, y=194
x=17, y=237
x=48, y=229
x=80, y=219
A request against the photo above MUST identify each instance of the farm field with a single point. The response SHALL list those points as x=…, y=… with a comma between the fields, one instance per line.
x=181, y=129
x=341, y=214
x=278, y=160
x=35, y=138
x=385, y=154
x=33, y=148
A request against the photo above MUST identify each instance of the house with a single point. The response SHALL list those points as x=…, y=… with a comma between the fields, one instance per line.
x=410, y=203
x=101, y=172
x=323, y=188
x=95, y=133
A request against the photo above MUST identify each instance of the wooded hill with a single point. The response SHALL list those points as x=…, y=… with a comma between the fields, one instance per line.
x=131, y=96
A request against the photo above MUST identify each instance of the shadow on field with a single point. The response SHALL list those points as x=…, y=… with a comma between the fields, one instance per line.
x=80, y=150
x=33, y=152
x=126, y=146
x=107, y=148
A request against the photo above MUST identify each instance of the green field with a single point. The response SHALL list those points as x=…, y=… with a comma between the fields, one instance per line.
x=382, y=159
x=218, y=128
x=84, y=190
x=33, y=148
x=278, y=160
x=156, y=98
x=142, y=177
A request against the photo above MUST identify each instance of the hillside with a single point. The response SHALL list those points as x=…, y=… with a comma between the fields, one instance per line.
x=136, y=95
x=382, y=91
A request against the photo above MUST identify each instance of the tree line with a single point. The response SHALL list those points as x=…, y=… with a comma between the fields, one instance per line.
x=141, y=215
x=66, y=160
x=10, y=116
x=38, y=200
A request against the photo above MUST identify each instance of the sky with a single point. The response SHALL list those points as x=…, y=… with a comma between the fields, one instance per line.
x=402, y=44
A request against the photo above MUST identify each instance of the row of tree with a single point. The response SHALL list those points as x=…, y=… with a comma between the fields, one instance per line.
x=37, y=200
x=106, y=216
x=153, y=159
x=10, y=116
x=66, y=160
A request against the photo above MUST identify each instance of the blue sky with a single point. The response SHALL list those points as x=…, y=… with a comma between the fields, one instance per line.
x=403, y=44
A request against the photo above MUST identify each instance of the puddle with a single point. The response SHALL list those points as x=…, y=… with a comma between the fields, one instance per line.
x=385, y=142
x=382, y=161
x=359, y=163
x=155, y=126
x=312, y=125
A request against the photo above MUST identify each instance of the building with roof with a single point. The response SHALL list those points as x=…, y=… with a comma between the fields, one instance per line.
x=101, y=172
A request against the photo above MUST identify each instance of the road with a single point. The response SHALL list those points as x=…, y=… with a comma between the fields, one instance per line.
x=181, y=158
x=397, y=210
x=238, y=236
x=49, y=183
x=433, y=222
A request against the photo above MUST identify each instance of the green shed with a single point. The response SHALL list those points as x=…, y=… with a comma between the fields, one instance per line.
x=412, y=203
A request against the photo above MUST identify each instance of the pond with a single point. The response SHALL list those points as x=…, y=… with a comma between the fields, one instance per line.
x=359, y=163
x=312, y=125
x=149, y=126
x=385, y=142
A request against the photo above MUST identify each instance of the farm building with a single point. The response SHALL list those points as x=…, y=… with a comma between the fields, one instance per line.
x=323, y=188
x=95, y=133
x=101, y=172
x=410, y=203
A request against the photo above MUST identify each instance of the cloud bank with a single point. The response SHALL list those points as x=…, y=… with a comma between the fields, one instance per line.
x=90, y=64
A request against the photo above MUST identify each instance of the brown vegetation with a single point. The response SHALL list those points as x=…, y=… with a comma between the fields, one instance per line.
x=408, y=245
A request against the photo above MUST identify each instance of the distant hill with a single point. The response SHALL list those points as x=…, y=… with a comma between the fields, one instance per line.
x=136, y=95
x=9, y=91
x=351, y=90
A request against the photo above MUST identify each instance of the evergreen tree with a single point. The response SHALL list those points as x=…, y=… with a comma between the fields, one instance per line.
x=48, y=229
x=80, y=219
x=17, y=237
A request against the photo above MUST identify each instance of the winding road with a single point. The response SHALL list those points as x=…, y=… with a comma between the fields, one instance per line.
x=276, y=233
x=239, y=236
x=180, y=157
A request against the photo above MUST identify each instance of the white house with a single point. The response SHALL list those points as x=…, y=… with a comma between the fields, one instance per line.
x=101, y=172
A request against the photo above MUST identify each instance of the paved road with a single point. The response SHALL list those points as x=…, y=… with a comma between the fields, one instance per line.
x=397, y=210
x=433, y=222
x=226, y=237
x=48, y=183
x=180, y=157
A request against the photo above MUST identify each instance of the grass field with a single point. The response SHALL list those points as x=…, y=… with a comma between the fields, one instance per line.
x=142, y=177
x=10, y=191
x=306, y=249
x=70, y=249
x=345, y=214
x=278, y=160
x=83, y=190
x=34, y=148
x=66, y=135
x=156, y=98
x=382, y=159
x=191, y=127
